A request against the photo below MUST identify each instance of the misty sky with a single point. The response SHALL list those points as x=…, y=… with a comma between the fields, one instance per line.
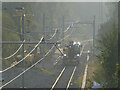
x=86, y=11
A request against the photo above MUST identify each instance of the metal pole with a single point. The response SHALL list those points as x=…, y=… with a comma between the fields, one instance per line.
x=44, y=36
x=51, y=30
x=23, y=49
x=21, y=25
x=63, y=30
x=29, y=41
x=43, y=32
x=94, y=36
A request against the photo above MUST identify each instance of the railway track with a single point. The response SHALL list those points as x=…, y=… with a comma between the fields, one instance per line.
x=64, y=78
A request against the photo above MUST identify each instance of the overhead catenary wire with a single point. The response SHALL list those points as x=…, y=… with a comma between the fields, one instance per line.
x=13, y=53
x=64, y=31
x=69, y=27
x=22, y=58
x=22, y=45
x=30, y=66
x=27, y=69
x=53, y=35
x=67, y=35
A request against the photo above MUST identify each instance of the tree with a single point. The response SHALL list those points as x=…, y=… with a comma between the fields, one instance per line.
x=108, y=57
